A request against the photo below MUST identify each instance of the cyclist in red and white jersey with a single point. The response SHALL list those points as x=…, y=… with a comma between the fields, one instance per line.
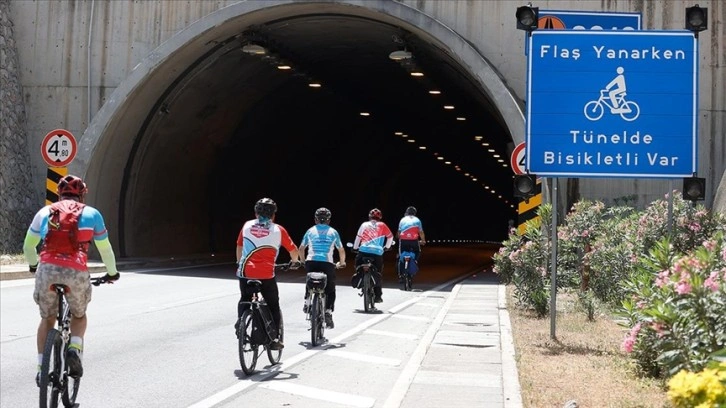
x=258, y=245
x=373, y=238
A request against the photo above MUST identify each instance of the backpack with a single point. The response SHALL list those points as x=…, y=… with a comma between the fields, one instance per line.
x=62, y=235
x=412, y=264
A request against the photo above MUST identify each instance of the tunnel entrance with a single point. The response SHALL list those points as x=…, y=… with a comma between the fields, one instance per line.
x=307, y=105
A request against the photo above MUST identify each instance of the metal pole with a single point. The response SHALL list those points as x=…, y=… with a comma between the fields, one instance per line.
x=553, y=283
x=670, y=209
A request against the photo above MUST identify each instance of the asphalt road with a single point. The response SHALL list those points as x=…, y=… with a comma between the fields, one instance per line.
x=164, y=338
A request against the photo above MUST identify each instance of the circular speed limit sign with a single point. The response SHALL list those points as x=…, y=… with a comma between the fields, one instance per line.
x=58, y=148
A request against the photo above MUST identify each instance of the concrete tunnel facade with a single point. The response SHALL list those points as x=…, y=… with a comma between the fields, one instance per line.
x=198, y=131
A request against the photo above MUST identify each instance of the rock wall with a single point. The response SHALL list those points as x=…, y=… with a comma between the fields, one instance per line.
x=18, y=202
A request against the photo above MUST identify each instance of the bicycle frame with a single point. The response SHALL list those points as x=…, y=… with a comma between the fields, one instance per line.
x=57, y=381
x=605, y=99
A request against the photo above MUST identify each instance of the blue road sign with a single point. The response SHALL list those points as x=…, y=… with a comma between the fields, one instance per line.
x=588, y=20
x=612, y=104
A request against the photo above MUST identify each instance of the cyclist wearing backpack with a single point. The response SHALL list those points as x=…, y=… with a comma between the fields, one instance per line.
x=373, y=238
x=321, y=239
x=66, y=229
x=258, y=244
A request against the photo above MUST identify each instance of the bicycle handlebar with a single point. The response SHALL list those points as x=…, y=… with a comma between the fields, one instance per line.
x=102, y=279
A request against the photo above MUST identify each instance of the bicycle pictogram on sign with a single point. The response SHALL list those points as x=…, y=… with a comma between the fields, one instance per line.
x=613, y=97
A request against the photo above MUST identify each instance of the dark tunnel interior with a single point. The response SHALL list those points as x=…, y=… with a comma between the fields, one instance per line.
x=308, y=147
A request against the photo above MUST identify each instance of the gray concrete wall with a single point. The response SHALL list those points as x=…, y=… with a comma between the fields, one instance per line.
x=64, y=87
x=18, y=203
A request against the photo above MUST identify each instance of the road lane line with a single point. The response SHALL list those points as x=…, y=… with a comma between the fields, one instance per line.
x=392, y=334
x=237, y=388
x=403, y=383
x=363, y=357
x=320, y=394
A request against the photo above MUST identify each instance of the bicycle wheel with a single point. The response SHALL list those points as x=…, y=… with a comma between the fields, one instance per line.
x=248, y=351
x=317, y=319
x=594, y=110
x=367, y=291
x=275, y=355
x=70, y=390
x=634, y=111
x=50, y=370
x=407, y=282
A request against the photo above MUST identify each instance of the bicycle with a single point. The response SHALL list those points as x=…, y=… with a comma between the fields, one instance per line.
x=54, y=377
x=628, y=110
x=403, y=272
x=254, y=328
x=367, y=290
x=315, y=282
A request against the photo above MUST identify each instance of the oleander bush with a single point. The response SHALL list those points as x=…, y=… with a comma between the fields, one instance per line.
x=663, y=277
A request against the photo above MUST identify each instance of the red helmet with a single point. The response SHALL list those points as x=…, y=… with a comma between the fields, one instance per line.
x=71, y=186
x=375, y=214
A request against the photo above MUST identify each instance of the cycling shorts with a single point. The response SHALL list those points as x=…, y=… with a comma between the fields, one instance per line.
x=78, y=295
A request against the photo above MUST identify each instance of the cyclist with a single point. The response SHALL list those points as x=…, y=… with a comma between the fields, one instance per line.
x=410, y=233
x=258, y=245
x=321, y=239
x=63, y=259
x=372, y=239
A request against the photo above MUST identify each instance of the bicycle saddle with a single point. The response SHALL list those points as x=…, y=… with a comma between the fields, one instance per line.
x=254, y=282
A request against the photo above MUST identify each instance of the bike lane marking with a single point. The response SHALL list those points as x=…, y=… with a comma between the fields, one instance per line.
x=395, y=398
x=320, y=394
x=255, y=379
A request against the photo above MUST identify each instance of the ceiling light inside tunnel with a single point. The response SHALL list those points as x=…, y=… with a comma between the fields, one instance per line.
x=461, y=118
x=477, y=138
x=447, y=162
x=411, y=141
x=422, y=147
x=314, y=85
x=254, y=49
x=440, y=158
x=449, y=107
x=398, y=133
x=435, y=92
x=284, y=67
x=491, y=150
x=485, y=144
x=496, y=156
x=400, y=55
x=365, y=114
x=417, y=74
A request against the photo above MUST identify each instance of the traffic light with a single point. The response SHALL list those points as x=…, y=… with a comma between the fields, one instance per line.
x=694, y=188
x=524, y=185
x=527, y=17
x=696, y=18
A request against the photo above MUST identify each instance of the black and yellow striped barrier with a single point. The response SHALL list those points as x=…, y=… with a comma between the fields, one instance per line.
x=51, y=183
x=527, y=210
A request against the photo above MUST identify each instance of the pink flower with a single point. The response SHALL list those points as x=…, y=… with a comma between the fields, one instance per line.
x=662, y=279
x=683, y=288
x=710, y=244
x=641, y=304
x=629, y=341
x=712, y=282
x=694, y=226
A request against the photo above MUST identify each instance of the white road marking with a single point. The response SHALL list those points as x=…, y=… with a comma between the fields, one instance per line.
x=255, y=379
x=363, y=357
x=320, y=394
x=403, y=383
x=392, y=334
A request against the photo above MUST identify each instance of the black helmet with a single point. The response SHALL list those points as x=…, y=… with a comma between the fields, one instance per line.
x=265, y=207
x=322, y=215
x=411, y=210
x=375, y=214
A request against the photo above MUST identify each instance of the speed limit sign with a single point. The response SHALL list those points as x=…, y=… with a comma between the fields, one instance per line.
x=517, y=159
x=58, y=148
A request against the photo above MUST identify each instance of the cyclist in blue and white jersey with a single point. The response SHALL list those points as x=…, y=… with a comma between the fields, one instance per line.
x=320, y=240
x=411, y=233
